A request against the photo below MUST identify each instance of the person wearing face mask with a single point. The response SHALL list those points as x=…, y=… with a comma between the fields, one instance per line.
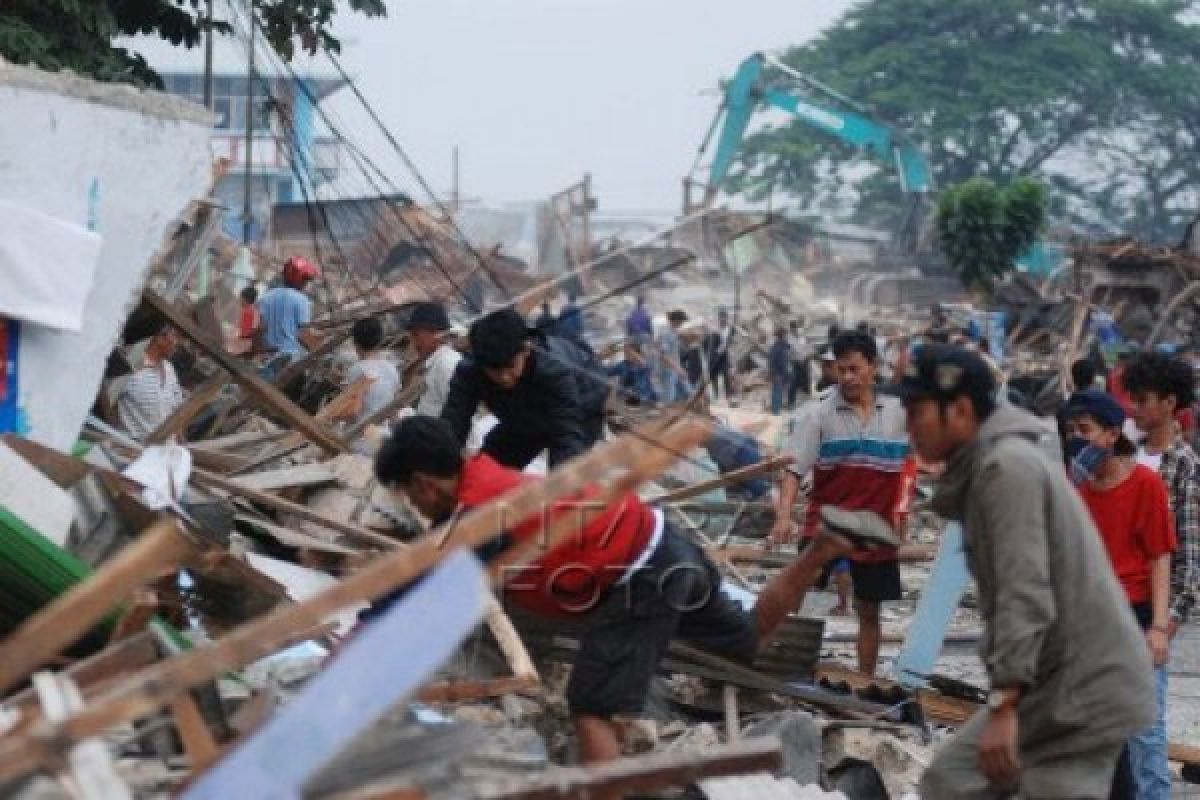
x=1129, y=505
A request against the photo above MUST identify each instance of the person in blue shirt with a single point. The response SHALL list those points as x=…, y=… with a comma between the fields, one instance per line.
x=638, y=326
x=634, y=380
x=570, y=320
x=286, y=311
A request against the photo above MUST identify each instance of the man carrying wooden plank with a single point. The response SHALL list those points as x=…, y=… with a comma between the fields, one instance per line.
x=1069, y=671
x=633, y=581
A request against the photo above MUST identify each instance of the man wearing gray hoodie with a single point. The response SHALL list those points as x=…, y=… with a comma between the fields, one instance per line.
x=1070, y=677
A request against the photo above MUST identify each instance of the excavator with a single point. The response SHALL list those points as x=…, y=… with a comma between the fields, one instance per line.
x=763, y=81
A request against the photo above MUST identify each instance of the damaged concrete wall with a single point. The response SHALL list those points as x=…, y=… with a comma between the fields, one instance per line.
x=121, y=161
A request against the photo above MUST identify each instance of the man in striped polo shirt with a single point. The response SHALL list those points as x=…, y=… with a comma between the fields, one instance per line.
x=855, y=443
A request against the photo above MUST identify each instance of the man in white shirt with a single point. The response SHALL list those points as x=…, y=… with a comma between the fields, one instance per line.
x=152, y=392
x=374, y=366
x=427, y=327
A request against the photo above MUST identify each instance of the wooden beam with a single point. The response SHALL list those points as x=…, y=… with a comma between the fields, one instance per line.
x=954, y=711
x=178, y=420
x=650, y=773
x=119, y=658
x=74, y=613
x=297, y=368
x=249, y=380
x=294, y=441
x=510, y=643
x=731, y=478
x=198, y=743
x=360, y=534
x=473, y=691
x=300, y=475
x=622, y=463
x=404, y=398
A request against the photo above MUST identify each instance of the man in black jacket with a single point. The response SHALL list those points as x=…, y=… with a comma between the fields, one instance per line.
x=548, y=392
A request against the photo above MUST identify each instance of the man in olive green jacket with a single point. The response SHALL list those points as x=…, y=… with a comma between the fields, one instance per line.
x=1070, y=676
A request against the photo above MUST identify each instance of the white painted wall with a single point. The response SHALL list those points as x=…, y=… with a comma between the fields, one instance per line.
x=147, y=155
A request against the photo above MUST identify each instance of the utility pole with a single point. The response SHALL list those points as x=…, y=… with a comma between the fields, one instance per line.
x=208, y=56
x=247, y=202
x=454, y=195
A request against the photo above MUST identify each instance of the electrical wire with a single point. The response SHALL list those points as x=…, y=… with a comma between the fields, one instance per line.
x=367, y=166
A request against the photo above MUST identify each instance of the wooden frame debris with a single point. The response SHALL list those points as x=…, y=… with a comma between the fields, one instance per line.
x=651, y=772
x=258, y=388
x=622, y=464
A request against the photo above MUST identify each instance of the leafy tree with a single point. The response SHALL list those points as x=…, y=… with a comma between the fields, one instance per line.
x=79, y=34
x=1087, y=94
x=982, y=229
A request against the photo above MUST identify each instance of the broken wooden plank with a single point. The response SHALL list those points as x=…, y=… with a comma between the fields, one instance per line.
x=294, y=441
x=289, y=477
x=181, y=417
x=510, y=643
x=233, y=441
x=88, y=763
x=116, y=660
x=404, y=398
x=366, y=678
x=615, y=467
x=650, y=773
x=474, y=691
x=731, y=478
x=249, y=380
x=292, y=538
x=297, y=368
x=71, y=615
x=211, y=481
x=198, y=743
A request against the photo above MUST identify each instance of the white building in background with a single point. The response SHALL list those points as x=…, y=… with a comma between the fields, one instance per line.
x=291, y=153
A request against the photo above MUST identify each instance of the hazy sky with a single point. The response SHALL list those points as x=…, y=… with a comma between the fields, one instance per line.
x=537, y=92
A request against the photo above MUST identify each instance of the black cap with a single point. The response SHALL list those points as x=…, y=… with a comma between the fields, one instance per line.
x=944, y=372
x=428, y=316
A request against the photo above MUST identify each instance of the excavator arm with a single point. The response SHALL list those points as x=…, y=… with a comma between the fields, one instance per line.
x=751, y=90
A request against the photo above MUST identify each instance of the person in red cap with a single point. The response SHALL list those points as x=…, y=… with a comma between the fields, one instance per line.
x=286, y=311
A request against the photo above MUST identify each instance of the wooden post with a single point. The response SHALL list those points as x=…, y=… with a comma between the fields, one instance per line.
x=640, y=455
x=733, y=731
x=262, y=391
x=71, y=615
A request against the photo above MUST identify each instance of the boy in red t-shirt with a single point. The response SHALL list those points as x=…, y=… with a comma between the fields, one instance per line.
x=628, y=576
x=1128, y=503
x=249, y=319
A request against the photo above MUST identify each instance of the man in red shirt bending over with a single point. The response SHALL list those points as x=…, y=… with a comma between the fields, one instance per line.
x=1128, y=502
x=633, y=581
